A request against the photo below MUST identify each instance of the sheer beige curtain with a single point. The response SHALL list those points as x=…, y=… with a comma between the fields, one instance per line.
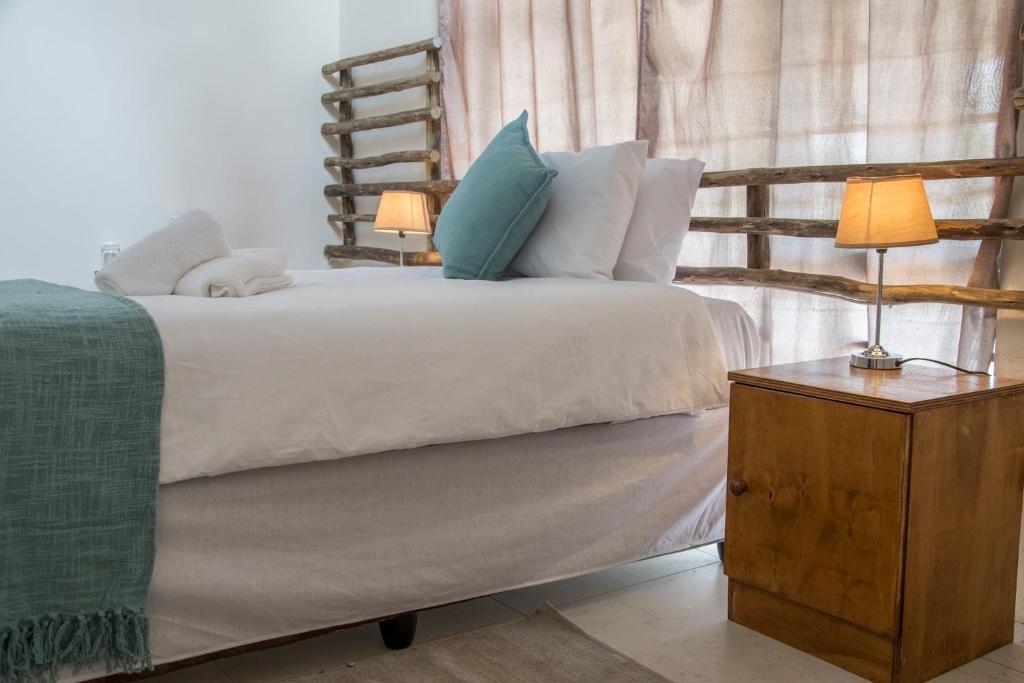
x=744, y=83
x=572, y=64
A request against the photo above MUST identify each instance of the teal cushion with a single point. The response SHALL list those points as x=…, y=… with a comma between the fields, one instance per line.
x=495, y=207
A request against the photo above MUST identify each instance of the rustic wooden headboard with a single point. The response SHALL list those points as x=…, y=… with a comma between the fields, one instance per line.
x=757, y=225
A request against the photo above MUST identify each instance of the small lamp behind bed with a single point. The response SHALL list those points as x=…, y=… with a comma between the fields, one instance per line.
x=402, y=212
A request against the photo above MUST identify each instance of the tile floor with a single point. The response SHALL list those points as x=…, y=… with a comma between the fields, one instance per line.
x=667, y=612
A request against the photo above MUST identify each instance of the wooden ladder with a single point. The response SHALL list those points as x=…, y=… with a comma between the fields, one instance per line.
x=340, y=73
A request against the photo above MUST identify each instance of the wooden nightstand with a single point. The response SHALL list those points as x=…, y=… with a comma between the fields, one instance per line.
x=873, y=516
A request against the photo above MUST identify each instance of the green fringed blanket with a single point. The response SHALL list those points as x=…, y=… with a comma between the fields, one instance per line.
x=81, y=386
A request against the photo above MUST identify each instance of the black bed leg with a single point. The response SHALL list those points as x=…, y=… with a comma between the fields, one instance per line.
x=398, y=632
x=721, y=551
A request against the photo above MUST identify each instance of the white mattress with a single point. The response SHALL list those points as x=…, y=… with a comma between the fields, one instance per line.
x=364, y=360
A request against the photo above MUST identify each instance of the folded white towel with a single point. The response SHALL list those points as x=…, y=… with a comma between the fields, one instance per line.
x=154, y=264
x=244, y=273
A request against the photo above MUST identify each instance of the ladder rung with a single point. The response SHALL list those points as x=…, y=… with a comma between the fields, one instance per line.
x=409, y=156
x=399, y=84
x=361, y=217
x=369, y=189
x=382, y=55
x=385, y=121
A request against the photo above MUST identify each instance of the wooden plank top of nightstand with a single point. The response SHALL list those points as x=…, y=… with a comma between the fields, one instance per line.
x=906, y=390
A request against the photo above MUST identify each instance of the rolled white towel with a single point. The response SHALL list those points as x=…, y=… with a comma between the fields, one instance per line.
x=154, y=264
x=244, y=273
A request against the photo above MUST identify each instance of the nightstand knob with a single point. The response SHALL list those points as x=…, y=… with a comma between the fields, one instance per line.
x=738, y=487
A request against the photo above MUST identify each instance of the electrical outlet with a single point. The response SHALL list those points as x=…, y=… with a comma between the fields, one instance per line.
x=108, y=252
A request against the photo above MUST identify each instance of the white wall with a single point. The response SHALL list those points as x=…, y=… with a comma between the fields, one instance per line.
x=115, y=114
x=367, y=26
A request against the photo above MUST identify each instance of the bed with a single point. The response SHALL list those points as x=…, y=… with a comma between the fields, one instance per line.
x=260, y=538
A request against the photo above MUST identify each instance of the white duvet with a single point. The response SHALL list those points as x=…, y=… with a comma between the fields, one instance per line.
x=365, y=360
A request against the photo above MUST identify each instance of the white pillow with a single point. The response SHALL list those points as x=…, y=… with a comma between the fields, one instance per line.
x=582, y=229
x=661, y=219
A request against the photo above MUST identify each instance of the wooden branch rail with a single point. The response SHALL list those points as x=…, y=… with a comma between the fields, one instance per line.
x=346, y=150
x=758, y=226
x=929, y=170
x=412, y=155
x=851, y=290
x=396, y=85
x=432, y=137
x=382, y=55
x=948, y=229
x=369, y=189
x=759, y=248
x=354, y=253
x=385, y=121
x=361, y=217
x=826, y=285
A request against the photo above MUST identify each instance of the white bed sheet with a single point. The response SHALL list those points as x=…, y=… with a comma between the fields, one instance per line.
x=740, y=339
x=364, y=360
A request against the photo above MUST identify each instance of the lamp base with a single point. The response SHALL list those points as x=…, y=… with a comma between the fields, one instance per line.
x=875, y=358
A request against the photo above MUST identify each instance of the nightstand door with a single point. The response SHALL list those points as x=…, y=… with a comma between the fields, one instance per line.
x=814, y=513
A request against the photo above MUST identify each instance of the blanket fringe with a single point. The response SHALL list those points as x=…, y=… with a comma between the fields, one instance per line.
x=36, y=651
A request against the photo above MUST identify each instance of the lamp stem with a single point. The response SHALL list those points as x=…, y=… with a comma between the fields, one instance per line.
x=878, y=298
x=875, y=357
x=401, y=249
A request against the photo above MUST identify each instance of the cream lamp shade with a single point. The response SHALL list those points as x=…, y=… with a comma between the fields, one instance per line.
x=879, y=213
x=402, y=212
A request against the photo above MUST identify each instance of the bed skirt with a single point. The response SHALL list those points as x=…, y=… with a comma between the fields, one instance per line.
x=263, y=554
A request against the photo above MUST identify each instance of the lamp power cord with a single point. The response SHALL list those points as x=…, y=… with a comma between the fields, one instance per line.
x=900, y=363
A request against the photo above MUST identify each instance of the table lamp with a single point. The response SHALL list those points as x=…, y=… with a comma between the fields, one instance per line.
x=879, y=213
x=402, y=212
